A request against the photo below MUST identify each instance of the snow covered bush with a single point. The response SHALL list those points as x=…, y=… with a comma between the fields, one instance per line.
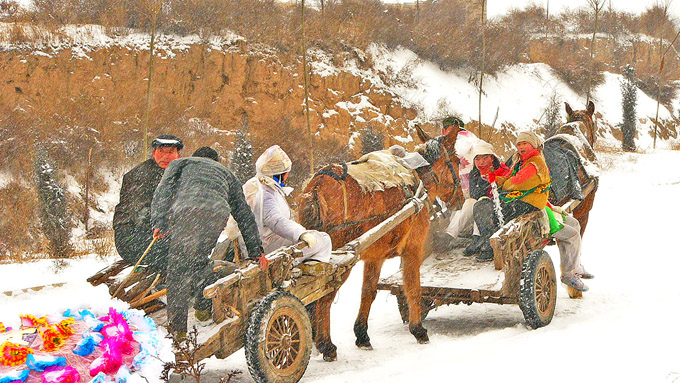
x=56, y=224
x=628, y=105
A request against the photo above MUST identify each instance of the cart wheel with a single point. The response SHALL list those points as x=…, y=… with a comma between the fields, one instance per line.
x=278, y=339
x=425, y=306
x=538, y=289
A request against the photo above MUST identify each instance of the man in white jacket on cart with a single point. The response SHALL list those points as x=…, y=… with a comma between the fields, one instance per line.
x=266, y=195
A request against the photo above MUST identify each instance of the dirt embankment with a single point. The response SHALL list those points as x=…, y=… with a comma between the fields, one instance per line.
x=105, y=88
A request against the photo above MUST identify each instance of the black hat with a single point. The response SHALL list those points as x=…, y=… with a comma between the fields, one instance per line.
x=207, y=152
x=452, y=120
x=167, y=140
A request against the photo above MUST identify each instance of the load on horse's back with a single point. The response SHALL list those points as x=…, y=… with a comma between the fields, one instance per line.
x=573, y=163
x=335, y=202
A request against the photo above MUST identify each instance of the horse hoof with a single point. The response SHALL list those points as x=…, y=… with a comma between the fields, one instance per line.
x=330, y=358
x=366, y=347
x=420, y=333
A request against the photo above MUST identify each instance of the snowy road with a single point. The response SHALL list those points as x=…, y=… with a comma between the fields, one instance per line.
x=625, y=329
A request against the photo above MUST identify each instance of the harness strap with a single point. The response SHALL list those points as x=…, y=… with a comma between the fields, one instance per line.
x=331, y=174
x=517, y=194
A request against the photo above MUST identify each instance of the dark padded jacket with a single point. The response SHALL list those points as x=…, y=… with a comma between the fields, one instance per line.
x=136, y=192
x=193, y=184
x=479, y=187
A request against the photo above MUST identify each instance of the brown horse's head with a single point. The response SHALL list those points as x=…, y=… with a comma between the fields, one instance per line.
x=441, y=178
x=586, y=118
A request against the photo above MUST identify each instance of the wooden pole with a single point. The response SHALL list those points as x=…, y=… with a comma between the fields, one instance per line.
x=306, y=80
x=135, y=267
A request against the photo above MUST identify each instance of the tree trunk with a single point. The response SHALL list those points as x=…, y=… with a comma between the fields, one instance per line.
x=481, y=74
x=306, y=80
x=86, y=218
x=154, y=19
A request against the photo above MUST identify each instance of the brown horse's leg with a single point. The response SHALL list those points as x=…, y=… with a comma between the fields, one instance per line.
x=582, y=211
x=322, y=320
x=368, y=292
x=321, y=323
x=411, y=260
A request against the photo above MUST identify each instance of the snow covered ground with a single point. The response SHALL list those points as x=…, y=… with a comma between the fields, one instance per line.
x=624, y=329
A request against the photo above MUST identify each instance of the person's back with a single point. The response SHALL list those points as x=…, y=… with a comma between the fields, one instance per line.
x=204, y=184
x=191, y=206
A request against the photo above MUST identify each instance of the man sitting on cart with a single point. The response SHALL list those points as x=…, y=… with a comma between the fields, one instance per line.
x=266, y=195
x=523, y=191
x=132, y=216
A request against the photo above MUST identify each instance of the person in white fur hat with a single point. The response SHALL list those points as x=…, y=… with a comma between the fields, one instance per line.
x=486, y=166
x=266, y=194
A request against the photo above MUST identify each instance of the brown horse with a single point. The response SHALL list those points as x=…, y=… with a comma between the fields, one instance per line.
x=581, y=122
x=335, y=203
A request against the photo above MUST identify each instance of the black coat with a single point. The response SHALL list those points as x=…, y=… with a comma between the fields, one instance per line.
x=479, y=187
x=195, y=184
x=136, y=193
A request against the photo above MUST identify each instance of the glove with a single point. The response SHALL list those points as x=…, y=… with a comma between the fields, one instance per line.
x=310, y=238
x=558, y=209
x=157, y=233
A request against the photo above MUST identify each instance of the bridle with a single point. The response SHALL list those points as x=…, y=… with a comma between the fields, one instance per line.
x=449, y=165
x=590, y=124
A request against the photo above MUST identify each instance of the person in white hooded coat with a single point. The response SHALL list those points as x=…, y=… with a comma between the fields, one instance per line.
x=266, y=195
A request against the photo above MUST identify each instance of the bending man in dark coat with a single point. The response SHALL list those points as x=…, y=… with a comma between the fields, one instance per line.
x=132, y=217
x=191, y=205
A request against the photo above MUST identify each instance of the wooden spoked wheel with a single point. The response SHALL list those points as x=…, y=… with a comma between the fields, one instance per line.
x=283, y=340
x=278, y=339
x=538, y=289
x=545, y=286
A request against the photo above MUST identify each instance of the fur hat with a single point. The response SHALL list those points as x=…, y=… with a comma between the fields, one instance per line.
x=452, y=120
x=530, y=137
x=482, y=148
x=207, y=152
x=273, y=161
x=167, y=140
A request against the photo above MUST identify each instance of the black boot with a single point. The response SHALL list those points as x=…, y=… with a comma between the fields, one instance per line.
x=485, y=253
x=474, y=247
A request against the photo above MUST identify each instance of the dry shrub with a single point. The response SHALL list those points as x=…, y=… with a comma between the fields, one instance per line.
x=20, y=234
x=649, y=85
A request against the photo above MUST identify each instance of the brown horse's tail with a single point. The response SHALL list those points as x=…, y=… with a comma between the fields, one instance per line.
x=309, y=209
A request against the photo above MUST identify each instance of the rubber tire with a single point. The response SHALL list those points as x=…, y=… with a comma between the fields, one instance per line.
x=425, y=306
x=274, y=306
x=538, y=273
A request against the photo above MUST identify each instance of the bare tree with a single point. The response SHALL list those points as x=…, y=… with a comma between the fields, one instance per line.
x=481, y=71
x=152, y=9
x=305, y=76
x=665, y=7
x=547, y=16
x=597, y=6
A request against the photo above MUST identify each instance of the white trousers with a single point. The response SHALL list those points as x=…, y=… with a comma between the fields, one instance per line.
x=463, y=220
x=320, y=252
x=569, y=243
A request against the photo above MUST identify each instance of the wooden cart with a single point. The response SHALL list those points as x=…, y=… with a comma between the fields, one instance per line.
x=264, y=310
x=522, y=273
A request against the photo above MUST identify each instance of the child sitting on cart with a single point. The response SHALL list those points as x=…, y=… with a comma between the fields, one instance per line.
x=523, y=191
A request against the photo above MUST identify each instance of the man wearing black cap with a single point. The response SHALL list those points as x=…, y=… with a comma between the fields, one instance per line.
x=132, y=216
